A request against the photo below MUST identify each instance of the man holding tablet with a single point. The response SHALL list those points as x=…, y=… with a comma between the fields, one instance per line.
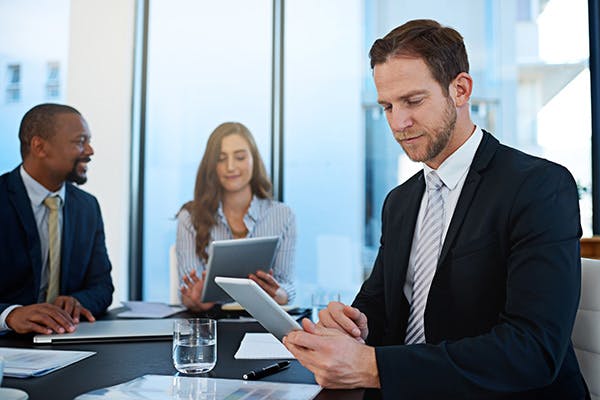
x=476, y=284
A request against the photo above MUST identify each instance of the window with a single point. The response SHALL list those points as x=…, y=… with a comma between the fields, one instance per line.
x=340, y=159
x=53, y=80
x=13, y=86
x=206, y=66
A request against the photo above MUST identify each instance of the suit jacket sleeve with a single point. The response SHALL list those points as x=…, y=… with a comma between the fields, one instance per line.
x=95, y=292
x=525, y=348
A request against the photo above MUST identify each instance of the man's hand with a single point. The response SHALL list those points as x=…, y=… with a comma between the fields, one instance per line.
x=337, y=360
x=72, y=307
x=41, y=318
x=270, y=285
x=346, y=319
x=191, y=292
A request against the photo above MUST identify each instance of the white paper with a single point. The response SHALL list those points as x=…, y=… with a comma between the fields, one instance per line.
x=262, y=346
x=145, y=309
x=23, y=363
x=158, y=387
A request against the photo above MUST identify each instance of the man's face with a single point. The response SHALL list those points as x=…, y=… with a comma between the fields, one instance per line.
x=421, y=116
x=69, y=150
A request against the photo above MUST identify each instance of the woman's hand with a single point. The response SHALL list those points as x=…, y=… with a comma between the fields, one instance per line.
x=191, y=292
x=270, y=285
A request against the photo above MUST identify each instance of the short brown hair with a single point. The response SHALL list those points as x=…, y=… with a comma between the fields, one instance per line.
x=440, y=47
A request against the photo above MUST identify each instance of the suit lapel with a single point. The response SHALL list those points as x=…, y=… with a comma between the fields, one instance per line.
x=404, y=223
x=483, y=155
x=20, y=201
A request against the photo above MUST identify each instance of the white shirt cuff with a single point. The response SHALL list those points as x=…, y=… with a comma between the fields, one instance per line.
x=7, y=310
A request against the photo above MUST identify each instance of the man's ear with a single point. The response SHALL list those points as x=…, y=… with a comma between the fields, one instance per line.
x=37, y=147
x=461, y=88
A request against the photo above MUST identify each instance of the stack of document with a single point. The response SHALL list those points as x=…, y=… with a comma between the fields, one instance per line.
x=24, y=363
x=146, y=309
x=157, y=387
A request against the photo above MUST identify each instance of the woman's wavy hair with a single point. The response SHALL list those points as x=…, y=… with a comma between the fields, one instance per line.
x=208, y=190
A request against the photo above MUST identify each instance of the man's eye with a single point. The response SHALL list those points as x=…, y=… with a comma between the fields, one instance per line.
x=414, y=102
x=386, y=107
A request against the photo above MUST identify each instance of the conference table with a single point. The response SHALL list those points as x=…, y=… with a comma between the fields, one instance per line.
x=119, y=362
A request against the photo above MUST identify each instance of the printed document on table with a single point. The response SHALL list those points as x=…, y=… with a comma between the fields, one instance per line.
x=159, y=387
x=262, y=346
x=24, y=363
x=146, y=309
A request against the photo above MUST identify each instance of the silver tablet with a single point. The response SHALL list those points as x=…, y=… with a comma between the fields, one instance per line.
x=236, y=258
x=260, y=305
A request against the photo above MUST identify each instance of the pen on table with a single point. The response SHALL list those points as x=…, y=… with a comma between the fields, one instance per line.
x=266, y=371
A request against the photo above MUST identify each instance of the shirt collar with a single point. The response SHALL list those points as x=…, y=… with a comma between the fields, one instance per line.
x=36, y=191
x=253, y=212
x=456, y=166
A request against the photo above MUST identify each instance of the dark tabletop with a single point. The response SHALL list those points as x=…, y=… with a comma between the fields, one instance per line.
x=119, y=362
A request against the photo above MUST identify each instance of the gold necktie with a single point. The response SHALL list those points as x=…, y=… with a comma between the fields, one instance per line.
x=53, y=204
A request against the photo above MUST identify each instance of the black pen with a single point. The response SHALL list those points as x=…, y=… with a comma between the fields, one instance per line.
x=269, y=370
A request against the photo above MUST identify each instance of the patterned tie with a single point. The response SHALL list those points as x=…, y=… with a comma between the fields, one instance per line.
x=427, y=252
x=53, y=204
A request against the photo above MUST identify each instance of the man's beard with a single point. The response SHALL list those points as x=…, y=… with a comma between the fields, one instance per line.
x=444, y=133
x=74, y=176
x=442, y=136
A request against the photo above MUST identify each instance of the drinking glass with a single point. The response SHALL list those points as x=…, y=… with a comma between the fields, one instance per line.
x=1, y=369
x=194, y=345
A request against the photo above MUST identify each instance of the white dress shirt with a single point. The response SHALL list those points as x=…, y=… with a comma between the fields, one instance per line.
x=453, y=172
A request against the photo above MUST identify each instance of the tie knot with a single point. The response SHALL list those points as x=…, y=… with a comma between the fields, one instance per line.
x=433, y=181
x=52, y=202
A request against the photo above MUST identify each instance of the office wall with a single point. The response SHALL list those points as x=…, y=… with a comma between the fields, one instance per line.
x=99, y=84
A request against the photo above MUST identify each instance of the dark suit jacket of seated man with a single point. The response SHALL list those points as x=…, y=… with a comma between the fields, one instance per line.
x=496, y=319
x=85, y=267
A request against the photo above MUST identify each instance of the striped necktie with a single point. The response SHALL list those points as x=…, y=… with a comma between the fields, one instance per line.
x=53, y=204
x=427, y=252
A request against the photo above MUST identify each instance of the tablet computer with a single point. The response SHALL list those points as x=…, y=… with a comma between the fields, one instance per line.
x=236, y=258
x=260, y=305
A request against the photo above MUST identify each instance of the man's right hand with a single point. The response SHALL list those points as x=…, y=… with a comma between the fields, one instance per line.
x=41, y=318
x=346, y=319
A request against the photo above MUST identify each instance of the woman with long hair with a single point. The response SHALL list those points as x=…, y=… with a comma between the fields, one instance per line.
x=232, y=200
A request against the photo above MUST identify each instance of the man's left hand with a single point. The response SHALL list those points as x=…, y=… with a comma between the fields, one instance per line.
x=72, y=306
x=337, y=360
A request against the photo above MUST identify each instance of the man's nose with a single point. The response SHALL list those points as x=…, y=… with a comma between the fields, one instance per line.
x=400, y=120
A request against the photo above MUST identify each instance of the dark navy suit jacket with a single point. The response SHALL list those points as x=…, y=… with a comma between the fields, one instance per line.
x=85, y=267
x=502, y=303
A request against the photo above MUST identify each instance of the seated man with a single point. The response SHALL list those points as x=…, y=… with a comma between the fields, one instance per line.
x=476, y=284
x=53, y=262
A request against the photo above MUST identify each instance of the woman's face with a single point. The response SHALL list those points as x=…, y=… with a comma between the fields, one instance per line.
x=234, y=168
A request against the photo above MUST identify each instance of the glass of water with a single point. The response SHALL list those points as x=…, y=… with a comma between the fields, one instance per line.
x=194, y=345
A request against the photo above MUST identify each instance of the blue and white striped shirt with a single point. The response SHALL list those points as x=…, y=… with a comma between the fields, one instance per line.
x=264, y=217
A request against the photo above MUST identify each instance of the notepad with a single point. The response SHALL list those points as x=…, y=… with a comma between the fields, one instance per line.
x=262, y=346
x=147, y=309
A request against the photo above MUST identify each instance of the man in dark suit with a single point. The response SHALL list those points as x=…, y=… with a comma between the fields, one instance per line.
x=476, y=284
x=53, y=262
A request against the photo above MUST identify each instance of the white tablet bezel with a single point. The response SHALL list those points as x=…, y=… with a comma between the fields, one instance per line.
x=237, y=258
x=260, y=305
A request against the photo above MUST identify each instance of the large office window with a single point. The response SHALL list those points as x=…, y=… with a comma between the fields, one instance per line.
x=33, y=33
x=208, y=62
x=207, y=65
